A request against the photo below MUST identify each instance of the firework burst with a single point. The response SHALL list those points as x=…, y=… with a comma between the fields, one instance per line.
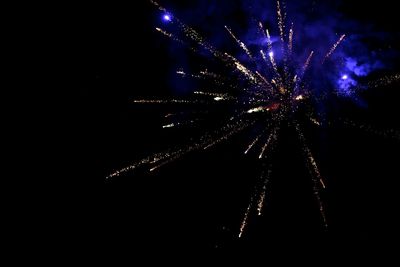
x=263, y=88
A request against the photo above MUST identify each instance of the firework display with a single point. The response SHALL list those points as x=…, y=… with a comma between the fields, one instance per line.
x=270, y=87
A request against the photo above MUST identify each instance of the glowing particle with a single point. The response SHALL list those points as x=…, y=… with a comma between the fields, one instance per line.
x=169, y=125
x=315, y=121
x=258, y=109
x=167, y=17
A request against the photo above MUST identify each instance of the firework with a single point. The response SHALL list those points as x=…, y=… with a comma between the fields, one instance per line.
x=272, y=96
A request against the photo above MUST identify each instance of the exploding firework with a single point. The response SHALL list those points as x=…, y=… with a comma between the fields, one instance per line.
x=269, y=86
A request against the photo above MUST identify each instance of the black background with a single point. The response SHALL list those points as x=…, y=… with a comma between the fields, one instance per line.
x=197, y=203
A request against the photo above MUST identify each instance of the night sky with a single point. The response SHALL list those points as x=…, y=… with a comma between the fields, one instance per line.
x=113, y=55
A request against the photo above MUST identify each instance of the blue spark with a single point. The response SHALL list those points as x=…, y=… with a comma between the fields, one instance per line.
x=346, y=85
x=167, y=17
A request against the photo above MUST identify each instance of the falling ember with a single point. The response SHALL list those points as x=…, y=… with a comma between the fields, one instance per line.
x=261, y=200
x=384, y=81
x=164, y=32
x=252, y=144
x=334, y=47
x=264, y=80
x=307, y=64
x=322, y=183
x=226, y=136
x=263, y=55
x=161, y=101
x=172, y=37
x=261, y=203
x=315, y=121
x=388, y=133
x=281, y=22
x=274, y=65
x=240, y=43
x=169, y=125
x=258, y=109
x=315, y=174
x=270, y=138
x=215, y=95
x=244, y=222
x=290, y=43
x=269, y=42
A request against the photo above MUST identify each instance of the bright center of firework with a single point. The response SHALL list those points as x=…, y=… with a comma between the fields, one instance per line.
x=345, y=77
x=271, y=54
x=167, y=17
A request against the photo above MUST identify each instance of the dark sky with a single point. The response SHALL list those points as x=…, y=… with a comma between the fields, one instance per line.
x=113, y=55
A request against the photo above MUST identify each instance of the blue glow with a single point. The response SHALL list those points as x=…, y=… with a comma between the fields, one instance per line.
x=362, y=67
x=167, y=17
x=346, y=85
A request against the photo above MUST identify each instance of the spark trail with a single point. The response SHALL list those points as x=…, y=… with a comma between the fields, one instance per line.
x=332, y=50
x=240, y=43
